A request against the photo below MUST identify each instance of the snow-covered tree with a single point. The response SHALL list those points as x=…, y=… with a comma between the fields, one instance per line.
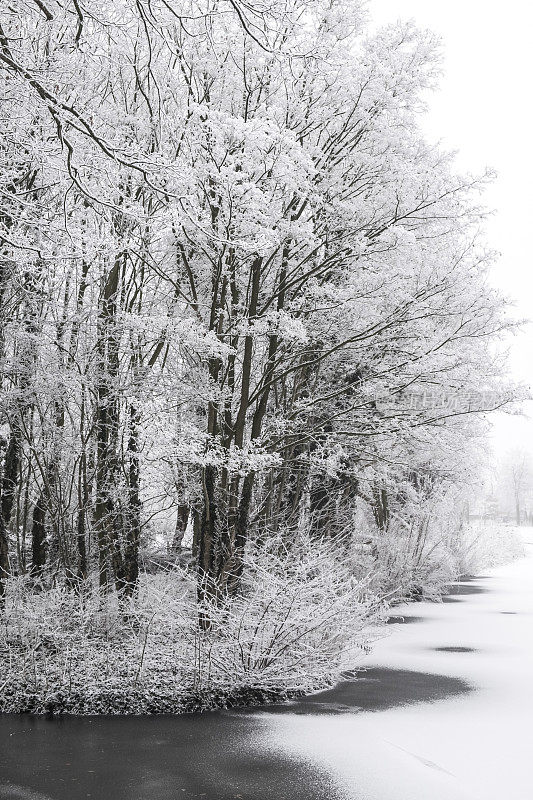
x=241, y=293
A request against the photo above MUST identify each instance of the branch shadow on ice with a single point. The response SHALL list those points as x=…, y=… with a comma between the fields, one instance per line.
x=377, y=689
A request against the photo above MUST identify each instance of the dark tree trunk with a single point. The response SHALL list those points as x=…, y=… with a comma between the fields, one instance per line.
x=8, y=487
x=196, y=531
x=182, y=521
x=322, y=506
x=241, y=534
x=38, y=537
x=11, y=471
x=107, y=419
x=4, y=558
x=208, y=547
x=81, y=545
x=130, y=566
x=83, y=501
x=380, y=508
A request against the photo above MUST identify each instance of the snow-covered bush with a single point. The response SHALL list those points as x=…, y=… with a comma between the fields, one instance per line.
x=408, y=558
x=300, y=617
x=487, y=543
x=428, y=545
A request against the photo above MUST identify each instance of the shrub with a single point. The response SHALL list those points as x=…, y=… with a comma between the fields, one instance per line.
x=300, y=617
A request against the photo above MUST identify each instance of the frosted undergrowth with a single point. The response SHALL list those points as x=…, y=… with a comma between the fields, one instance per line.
x=305, y=612
x=488, y=543
x=300, y=617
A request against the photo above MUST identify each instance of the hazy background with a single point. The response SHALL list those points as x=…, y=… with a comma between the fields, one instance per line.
x=483, y=110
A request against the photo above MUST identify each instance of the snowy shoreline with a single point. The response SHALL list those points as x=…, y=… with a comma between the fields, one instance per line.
x=140, y=703
x=71, y=669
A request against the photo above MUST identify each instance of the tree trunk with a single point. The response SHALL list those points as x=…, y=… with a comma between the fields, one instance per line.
x=4, y=558
x=107, y=411
x=182, y=520
x=380, y=508
x=208, y=547
x=38, y=537
x=83, y=501
x=8, y=487
x=130, y=566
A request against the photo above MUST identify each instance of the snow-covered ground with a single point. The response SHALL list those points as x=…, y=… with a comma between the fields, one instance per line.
x=474, y=745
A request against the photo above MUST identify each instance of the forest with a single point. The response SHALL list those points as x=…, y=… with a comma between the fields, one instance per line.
x=248, y=345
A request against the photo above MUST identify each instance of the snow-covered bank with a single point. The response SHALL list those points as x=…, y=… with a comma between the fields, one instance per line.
x=300, y=615
x=300, y=622
x=471, y=745
x=423, y=722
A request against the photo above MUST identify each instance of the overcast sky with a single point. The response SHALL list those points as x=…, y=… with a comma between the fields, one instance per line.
x=483, y=110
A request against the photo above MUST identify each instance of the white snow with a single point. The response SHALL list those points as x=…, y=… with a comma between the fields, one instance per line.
x=476, y=745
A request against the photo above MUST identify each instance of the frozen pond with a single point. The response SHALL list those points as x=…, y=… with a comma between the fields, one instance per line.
x=444, y=711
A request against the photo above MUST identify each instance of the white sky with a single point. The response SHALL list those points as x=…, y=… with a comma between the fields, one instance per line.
x=484, y=110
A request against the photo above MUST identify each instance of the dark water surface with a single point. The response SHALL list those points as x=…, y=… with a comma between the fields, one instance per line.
x=217, y=755
x=213, y=756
